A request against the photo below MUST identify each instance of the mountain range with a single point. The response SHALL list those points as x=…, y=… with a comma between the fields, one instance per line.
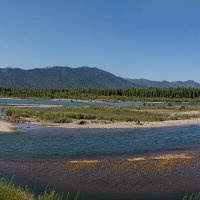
x=83, y=77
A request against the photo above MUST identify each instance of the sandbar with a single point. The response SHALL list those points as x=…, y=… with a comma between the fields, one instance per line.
x=7, y=127
x=116, y=125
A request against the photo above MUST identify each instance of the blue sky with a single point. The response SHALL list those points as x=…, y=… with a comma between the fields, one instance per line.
x=154, y=39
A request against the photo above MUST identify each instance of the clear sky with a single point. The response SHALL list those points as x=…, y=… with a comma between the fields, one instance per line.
x=154, y=39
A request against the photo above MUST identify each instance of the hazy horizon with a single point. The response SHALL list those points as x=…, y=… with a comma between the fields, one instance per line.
x=151, y=39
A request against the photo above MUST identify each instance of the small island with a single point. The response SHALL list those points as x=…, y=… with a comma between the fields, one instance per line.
x=104, y=116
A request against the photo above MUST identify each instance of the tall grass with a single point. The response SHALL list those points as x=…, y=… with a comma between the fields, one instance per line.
x=193, y=196
x=66, y=114
x=8, y=191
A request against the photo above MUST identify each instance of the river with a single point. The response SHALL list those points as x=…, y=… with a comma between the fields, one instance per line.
x=8, y=101
x=33, y=151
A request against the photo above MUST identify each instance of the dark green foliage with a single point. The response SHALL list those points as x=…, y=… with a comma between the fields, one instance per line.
x=126, y=94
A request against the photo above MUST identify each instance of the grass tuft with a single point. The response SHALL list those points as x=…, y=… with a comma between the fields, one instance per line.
x=8, y=191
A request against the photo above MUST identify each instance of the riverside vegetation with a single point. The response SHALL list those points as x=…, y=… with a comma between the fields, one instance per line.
x=8, y=191
x=104, y=113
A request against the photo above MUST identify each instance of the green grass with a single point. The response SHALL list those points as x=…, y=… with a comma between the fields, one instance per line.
x=193, y=196
x=107, y=113
x=8, y=191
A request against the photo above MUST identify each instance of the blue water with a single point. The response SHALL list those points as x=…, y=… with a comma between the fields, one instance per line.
x=65, y=103
x=56, y=143
x=33, y=142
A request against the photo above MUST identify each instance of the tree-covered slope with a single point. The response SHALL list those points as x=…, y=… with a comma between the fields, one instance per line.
x=144, y=83
x=82, y=77
x=61, y=78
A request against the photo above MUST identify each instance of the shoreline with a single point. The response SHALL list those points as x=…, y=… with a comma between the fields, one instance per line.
x=7, y=127
x=114, y=125
x=98, y=100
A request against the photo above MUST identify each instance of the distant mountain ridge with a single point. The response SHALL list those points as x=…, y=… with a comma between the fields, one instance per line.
x=59, y=77
x=144, y=83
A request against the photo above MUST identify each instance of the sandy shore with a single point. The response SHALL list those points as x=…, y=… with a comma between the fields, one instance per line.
x=7, y=127
x=102, y=124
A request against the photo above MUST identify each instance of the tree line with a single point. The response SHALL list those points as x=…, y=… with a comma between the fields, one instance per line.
x=107, y=93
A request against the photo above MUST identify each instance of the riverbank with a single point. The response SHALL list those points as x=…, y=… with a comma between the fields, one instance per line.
x=105, y=116
x=49, y=118
x=7, y=127
x=76, y=124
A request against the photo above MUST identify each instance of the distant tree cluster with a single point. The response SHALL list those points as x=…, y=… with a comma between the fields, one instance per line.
x=113, y=94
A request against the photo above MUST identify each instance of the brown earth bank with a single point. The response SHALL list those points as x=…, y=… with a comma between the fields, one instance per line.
x=156, y=176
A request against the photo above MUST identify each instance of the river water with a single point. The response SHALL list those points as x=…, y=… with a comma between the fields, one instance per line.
x=39, y=143
x=35, y=142
x=79, y=103
x=32, y=142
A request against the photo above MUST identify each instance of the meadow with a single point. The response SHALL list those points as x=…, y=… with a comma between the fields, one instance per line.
x=104, y=113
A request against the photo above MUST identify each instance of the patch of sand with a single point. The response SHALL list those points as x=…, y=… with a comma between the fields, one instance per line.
x=161, y=157
x=136, y=159
x=172, y=156
x=7, y=127
x=83, y=164
x=85, y=161
x=104, y=124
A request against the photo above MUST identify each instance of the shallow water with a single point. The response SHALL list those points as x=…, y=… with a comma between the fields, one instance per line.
x=35, y=142
x=32, y=142
x=66, y=103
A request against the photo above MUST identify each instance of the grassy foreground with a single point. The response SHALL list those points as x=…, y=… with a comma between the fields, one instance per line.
x=8, y=191
x=193, y=196
x=106, y=113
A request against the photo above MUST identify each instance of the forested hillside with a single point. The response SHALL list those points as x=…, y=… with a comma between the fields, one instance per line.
x=61, y=78
x=82, y=77
x=144, y=83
